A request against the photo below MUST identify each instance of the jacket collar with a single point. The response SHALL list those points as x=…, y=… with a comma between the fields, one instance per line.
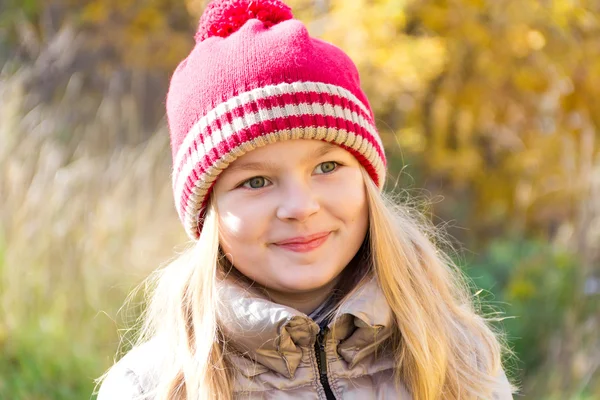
x=273, y=335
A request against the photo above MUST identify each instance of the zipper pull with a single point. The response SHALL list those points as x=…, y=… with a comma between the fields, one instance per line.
x=321, y=337
x=322, y=355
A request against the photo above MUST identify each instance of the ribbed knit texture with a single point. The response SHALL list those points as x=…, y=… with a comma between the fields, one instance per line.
x=262, y=83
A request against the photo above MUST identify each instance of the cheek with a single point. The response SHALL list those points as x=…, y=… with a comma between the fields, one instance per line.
x=241, y=224
x=347, y=199
x=357, y=211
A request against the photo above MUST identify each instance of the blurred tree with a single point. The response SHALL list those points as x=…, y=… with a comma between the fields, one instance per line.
x=497, y=99
x=117, y=48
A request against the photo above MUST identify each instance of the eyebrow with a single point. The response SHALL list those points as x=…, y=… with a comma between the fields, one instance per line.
x=265, y=165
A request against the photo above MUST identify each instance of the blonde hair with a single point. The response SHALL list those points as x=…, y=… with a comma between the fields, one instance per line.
x=442, y=347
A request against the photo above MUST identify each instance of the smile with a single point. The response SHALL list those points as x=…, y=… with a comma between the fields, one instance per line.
x=304, y=244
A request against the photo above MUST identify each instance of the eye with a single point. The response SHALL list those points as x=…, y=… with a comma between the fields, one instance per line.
x=257, y=182
x=326, y=167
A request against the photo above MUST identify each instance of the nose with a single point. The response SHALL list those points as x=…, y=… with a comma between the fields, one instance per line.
x=298, y=202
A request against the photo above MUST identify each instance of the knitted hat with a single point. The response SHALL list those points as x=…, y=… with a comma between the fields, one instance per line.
x=255, y=77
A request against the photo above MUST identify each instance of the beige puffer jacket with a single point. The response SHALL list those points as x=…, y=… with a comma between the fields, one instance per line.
x=295, y=359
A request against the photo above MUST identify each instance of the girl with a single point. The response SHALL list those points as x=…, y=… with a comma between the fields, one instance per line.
x=304, y=281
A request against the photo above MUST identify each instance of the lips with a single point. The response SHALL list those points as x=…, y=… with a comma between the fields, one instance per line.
x=303, y=239
x=304, y=244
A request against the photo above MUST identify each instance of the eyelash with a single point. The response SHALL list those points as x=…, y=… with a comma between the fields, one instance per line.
x=243, y=184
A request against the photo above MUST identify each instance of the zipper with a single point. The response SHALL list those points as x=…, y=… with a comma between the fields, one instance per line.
x=322, y=363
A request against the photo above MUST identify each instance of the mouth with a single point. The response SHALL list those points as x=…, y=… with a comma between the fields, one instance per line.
x=303, y=244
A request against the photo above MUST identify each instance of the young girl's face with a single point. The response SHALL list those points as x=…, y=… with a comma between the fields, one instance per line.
x=292, y=214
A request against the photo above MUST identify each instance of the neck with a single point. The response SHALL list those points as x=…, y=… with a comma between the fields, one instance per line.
x=305, y=302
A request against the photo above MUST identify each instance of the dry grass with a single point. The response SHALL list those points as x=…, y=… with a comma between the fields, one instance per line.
x=82, y=220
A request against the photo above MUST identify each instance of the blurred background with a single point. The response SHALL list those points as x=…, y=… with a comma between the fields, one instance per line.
x=489, y=109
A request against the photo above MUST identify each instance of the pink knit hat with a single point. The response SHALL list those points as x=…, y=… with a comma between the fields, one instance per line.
x=256, y=77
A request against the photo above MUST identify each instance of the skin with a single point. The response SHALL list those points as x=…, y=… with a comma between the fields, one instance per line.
x=285, y=190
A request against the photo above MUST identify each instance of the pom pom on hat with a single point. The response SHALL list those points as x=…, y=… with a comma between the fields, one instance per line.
x=224, y=17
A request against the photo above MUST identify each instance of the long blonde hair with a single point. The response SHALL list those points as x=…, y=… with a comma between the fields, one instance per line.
x=443, y=348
